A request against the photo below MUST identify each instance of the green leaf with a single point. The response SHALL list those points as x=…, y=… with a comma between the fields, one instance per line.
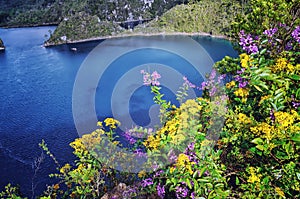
x=260, y=147
x=295, y=77
x=237, y=181
x=259, y=89
x=296, y=138
x=263, y=50
x=257, y=141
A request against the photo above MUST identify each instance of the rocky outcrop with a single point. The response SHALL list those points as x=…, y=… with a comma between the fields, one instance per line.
x=2, y=47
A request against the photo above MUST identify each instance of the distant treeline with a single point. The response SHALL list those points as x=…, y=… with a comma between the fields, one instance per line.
x=39, y=12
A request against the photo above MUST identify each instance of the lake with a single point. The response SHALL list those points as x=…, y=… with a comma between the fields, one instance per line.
x=54, y=94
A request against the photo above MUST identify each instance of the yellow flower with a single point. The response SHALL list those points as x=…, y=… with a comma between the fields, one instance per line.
x=284, y=119
x=182, y=160
x=230, y=84
x=65, y=168
x=142, y=174
x=172, y=169
x=152, y=142
x=241, y=92
x=245, y=59
x=253, y=176
x=279, y=192
x=263, y=98
x=99, y=124
x=111, y=122
x=283, y=65
x=56, y=186
x=243, y=118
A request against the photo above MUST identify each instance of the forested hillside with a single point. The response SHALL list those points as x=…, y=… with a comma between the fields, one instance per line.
x=38, y=12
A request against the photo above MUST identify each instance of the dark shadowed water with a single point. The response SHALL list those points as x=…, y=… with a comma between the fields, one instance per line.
x=36, y=86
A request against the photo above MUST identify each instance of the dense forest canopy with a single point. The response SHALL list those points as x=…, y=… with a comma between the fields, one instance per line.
x=38, y=12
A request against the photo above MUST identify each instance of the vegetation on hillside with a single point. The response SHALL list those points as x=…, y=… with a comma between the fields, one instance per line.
x=196, y=16
x=82, y=26
x=204, y=16
x=31, y=12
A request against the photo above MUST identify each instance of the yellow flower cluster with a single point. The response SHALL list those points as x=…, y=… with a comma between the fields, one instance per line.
x=253, y=178
x=183, y=161
x=188, y=111
x=243, y=93
x=152, y=142
x=176, y=128
x=78, y=146
x=283, y=65
x=111, y=122
x=245, y=60
x=230, y=84
x=279, y=192
x=265, y=130
x=172, y=169
x=284, y=119
x=142, y=174
x=263, y=98
x=87, y=141
x=244, y=118
x=65, y=168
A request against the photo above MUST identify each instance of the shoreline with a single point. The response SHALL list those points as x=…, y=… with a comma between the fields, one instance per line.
x=46, y=44
x=29, y=25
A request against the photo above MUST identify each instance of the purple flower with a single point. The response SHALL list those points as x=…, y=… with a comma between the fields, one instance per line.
x=193, y=195
x=181, y=192
x=243, y=84
x=212, y=91
x=252, y=49
x=213, y=74
x=147, y=79
x=191, y=146
x=221, y=77
x=295, y=104
x=147, y=182
x=158, y=173
x=272, y=116
x=203, y=85
x=238, y=78
x=128, y=137
x=139, y=153
x=154, y=166
x=240, y=71
x=130, y=192
x=172, y=156
x=160, y=191
x=247, y=43
x=270, y=32
x=289, y=46
x=187, y=82
x=155, y=75
x=151, y=79
x=296, y=34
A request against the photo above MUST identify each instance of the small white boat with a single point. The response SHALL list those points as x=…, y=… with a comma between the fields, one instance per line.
x=74, y=49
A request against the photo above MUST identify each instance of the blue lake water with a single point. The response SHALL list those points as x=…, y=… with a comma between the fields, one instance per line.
x=36, y=87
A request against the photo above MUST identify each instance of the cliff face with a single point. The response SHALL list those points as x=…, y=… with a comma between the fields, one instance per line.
x=2, y=47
